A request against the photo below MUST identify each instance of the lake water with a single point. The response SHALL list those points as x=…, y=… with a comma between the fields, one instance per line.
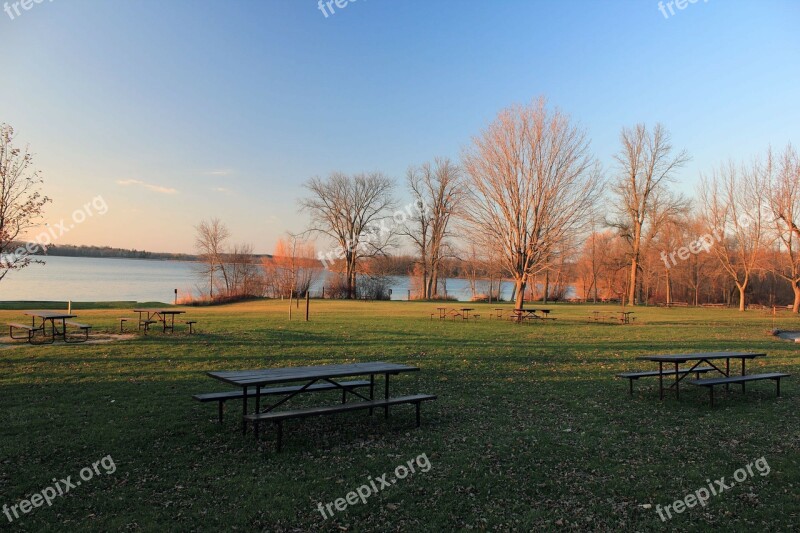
x=86, y=279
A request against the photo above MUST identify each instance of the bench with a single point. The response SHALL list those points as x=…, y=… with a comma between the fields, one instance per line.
x=712, y=382
x=122, y=321
x=223, y=397
x=146, y=324
x=636, y=375
x=279, y=416
x=83, y=327
x=190, y=323
x=31, y=331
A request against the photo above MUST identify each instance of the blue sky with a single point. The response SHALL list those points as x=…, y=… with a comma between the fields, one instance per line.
x=177, y=111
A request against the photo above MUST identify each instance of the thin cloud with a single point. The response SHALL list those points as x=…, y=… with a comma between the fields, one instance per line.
x=222, y=190
x=220, y=172
x=150, y=186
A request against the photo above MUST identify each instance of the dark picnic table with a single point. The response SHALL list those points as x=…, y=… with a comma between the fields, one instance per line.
x=52, y=317
x=159, y=315
x=309, y=375
x=697, y=359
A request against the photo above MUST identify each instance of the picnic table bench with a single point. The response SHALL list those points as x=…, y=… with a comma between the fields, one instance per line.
x=712, y=382
x=632, y=376
x=222, y=397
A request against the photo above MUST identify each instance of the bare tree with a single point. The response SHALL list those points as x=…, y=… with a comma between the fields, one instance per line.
x=785, y=205
x=646, y=166
x=210, y=244
x=532, y=183
x=21, y=203
x=438, y=192
x=350, y=210
x=733, y=205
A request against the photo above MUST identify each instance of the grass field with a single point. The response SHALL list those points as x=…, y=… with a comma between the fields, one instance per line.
x=531, y=430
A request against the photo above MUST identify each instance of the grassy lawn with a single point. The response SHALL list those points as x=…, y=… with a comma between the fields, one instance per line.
x=531, y=430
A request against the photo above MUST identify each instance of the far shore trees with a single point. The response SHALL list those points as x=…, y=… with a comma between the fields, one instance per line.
x=646, y=165
x=21, y=203
x=438, y=191
x=352, y=211
x=532, y=186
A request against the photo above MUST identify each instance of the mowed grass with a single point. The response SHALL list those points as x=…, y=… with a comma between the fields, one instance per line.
x=531, y=430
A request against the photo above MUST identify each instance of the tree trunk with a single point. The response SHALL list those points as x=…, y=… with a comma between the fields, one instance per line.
x=741, y=296
x=669, y=288
x=546, y=286
x=796, y=304
x=519, y=290
x=632, y=283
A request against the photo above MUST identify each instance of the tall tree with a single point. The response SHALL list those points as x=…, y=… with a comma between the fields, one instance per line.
x=438, y=191
x=21, y=203
x=733, y=204
x=210, y=242
x=352, y=211
x=532, y=183
x=646, y=165
x=785, y=206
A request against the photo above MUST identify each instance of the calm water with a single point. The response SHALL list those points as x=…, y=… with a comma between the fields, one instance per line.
x=85, y=279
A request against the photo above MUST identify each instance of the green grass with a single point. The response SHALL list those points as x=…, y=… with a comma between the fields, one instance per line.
x=531, y=430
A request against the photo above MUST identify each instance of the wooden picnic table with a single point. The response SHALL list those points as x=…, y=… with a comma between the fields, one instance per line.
x=697, y=359
x=528, y=314
x=158, y=315
x=51, y=317
x=308, y=375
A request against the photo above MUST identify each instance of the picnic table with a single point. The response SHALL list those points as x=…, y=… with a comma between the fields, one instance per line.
x=529, y=314
x=311, y=379
x=51, y=317
x=625, y=317
x=698, y=359
x=158, y=315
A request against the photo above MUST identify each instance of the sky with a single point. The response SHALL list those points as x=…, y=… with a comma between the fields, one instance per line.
x=174, y=112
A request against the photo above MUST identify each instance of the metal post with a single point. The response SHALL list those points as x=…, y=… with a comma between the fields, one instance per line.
x=176, y=296
x=307, y=304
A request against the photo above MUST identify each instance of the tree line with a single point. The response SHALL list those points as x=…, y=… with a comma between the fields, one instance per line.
x=528, y=202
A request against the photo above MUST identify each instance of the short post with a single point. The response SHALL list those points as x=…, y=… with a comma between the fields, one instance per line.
x=323, y=292
x=307, y=304
x=409, y=295
x=176, y=296
x=69, y=307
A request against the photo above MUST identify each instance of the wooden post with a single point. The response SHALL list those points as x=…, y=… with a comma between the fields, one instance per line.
x=307, y=304
x=291, y=293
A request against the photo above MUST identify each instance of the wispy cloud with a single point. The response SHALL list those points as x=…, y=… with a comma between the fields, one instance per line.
x=220, y=172
x=150, y=186
x=222, y=190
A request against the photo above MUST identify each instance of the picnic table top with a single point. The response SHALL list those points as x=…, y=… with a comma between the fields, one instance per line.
x=684, y=357
x=269, y=376
x=159, y=310
x=50, y=314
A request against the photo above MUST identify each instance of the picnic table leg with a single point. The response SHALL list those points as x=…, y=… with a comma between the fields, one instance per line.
x=743, y=374
x=244, y=409
x=660, y=380
x=258, y=410
x=677, y=384
x=386, y=395
x=371, y=390
x=727, y=373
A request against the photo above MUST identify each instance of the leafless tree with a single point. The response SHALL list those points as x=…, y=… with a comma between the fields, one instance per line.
x=210, y=244
x=785, y=206
x=438, y=192
x=352, y=211
x=532, y=183
x=733, y=204
x=21, y=203
x=646, y=165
